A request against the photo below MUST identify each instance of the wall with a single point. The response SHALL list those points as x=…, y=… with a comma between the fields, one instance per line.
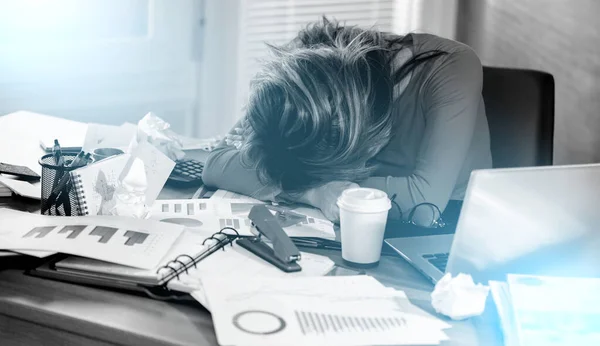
x=557, y=36
x=438, y=17
x=216, y=111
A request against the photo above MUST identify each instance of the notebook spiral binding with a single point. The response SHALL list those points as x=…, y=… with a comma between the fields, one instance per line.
x=176, y=266
x=79, y=194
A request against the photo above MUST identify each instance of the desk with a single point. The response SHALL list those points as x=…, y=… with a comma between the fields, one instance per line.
x=34, y=311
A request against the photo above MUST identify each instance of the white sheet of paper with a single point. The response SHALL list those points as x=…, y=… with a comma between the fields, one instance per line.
x=22, y=188
x=347, y=310
x=240, y=265
x=157, y=165
x=25, y=130
x=221, y=194
x=133, y=242
x=199, y=213
x=297, y=220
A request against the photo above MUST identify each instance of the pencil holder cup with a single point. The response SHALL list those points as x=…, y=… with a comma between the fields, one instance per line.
x=65, y=203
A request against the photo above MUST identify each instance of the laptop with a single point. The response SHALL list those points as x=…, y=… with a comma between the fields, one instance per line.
x=535, y=220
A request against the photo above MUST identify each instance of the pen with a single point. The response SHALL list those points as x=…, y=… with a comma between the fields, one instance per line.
x=326, y=244
x=59, y=163
x=78, y=160
x=57, y=152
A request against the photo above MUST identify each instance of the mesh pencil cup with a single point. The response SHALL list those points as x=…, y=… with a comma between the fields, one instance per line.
x=67, y=203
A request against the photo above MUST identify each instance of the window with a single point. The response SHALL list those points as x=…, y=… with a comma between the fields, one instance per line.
x=106, y=61
x=278, y=21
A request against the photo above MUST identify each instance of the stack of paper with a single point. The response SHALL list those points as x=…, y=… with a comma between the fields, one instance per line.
x=550, y=311
x=344, y=310
x=19, y=187
x=4, y=190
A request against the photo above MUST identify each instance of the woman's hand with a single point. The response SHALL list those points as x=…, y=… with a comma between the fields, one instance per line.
x=235, y=137
x=325, y=198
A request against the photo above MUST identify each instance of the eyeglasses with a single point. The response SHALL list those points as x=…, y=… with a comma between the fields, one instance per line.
x=422, y=211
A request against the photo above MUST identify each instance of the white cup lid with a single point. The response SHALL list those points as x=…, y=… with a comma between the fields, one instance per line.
x=364, y=200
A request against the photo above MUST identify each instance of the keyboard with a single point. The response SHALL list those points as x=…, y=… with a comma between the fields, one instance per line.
x=187, y=172
x=438, y=260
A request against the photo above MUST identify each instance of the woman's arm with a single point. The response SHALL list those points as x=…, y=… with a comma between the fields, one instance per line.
x=224, y=170
x=451, y=101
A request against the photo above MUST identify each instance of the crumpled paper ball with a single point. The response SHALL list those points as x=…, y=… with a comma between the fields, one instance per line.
x=459, y=297
x=158, y=133
x=130, y=195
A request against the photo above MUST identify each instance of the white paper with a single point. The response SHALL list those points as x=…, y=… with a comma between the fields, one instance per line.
x=132, y=242
x=189, y=243
x=297, y=220
x=229, y=195
x=191, y=143
x=459, y=297
x=157, y=165
x=156, y=131
x=347, y=310
x=130, y=194
x=553, y=311
x=240, y=265
x=22, y=188
x=198, y=214
x=25, y=130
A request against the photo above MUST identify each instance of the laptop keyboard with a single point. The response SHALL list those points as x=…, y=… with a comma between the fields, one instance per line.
x=438, y=260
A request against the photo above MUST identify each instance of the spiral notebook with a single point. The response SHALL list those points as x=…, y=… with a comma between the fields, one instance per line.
x=96, y=184
x=191, y=258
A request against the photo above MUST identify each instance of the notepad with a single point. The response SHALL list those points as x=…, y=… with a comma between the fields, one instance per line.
x=95, y=185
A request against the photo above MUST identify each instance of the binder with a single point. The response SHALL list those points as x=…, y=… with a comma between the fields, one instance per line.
x=108, y=275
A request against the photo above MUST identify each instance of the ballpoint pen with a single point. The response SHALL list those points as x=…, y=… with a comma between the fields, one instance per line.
x=59, y=163
x=327, y=244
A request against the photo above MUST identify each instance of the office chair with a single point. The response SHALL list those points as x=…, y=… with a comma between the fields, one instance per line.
x=520, y=109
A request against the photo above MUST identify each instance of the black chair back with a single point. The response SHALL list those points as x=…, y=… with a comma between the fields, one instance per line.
x=520, y=110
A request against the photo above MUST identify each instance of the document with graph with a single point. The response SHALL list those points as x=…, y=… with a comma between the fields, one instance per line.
x=126, y=241
x=330, y=310
x=296, y=221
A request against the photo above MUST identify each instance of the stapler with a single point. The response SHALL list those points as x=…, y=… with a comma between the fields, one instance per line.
x=282, y=252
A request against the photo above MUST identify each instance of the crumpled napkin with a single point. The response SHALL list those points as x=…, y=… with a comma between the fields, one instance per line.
x=158, y=133
x=458, y=297
x=130, y=194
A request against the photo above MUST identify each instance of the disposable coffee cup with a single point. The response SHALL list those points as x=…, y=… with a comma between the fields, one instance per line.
x=104, y=153
x=363, y=216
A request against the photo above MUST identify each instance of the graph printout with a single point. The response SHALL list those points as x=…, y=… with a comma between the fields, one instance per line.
x=127, y=241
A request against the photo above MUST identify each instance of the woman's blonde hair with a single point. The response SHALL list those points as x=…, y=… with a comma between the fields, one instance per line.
x=320, y=109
